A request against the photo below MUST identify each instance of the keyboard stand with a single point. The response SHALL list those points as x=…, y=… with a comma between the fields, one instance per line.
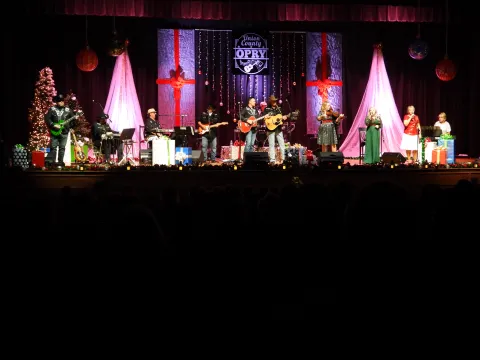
x=128, y=153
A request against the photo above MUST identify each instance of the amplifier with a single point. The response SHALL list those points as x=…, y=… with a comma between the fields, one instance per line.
x=146, y=157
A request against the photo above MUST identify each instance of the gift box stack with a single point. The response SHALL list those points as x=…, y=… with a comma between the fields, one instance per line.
x=296, y=154
x=449, y=145
x=183, y=156
x=163, y=152
x=439, y=155
x=233, y=152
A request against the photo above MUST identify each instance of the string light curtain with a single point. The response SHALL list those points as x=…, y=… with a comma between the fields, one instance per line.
x=215, y=83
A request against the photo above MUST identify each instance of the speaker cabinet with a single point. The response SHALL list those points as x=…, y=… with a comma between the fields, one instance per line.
x=255, y=159
x=197, y=156
x=393, y=157
x=330, y=157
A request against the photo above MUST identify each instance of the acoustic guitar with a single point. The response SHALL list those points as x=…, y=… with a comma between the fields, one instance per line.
x=79, y=154
x=55, y=132
x=206, y=129
x=245, y=127
x=275, y=121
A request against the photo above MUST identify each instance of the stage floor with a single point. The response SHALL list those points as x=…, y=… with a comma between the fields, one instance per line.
x=147, y=178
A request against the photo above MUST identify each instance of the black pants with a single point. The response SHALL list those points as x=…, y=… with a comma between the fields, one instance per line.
x=108, y=147
x=60, y=141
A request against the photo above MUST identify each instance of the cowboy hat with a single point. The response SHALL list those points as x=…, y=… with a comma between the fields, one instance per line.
x=151, y=110
x=58, y=98
x=211, y=106
x=272, y=98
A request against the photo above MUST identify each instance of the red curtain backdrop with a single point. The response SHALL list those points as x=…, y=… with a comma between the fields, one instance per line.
x=242, y=11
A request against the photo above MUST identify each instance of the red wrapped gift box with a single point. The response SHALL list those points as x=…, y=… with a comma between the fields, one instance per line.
x=38, y=159
x=439, y=156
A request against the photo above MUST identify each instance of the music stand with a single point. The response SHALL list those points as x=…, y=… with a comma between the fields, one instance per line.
x=182, y=133
x=126, y=137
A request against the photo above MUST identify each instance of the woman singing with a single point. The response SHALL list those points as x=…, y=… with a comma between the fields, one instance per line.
x=327, y=135
x=372, y=140
x=411, y=134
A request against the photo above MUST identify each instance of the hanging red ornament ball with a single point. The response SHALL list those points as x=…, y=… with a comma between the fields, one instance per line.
x=87, y=59
x=206, y=83
x=199, y=72
x=303, y=74
x=294, y=83
x=446, y=69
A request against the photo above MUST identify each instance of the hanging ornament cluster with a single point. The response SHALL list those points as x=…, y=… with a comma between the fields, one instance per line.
x=87, y=59
x=418, y=49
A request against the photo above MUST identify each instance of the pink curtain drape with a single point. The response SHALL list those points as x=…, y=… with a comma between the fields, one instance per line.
x=223, y=10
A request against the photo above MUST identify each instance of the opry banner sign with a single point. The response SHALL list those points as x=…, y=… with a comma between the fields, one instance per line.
x=250, y=54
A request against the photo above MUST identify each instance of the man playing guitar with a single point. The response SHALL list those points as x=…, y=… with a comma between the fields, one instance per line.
x=246, y=113
x=209, y=138
x=273, y=109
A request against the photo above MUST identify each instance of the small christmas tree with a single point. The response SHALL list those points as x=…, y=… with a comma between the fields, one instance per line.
x=42, y=100
x=82, y=126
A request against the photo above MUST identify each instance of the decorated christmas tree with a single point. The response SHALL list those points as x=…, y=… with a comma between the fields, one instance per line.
x=82, y=126
x=44, y=92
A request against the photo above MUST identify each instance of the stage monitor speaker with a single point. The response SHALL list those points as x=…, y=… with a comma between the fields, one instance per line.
x=197, y=156
x=393, y=157
x=255, y=159
x=330, y=157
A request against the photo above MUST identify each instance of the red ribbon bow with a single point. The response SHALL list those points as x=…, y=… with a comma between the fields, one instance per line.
x=239, y=143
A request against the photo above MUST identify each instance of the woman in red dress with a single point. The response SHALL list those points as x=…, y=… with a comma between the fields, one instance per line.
x=411, y=134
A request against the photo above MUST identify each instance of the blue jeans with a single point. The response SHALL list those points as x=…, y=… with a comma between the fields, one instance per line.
x=212, y=143
x=250, y=141
x=271, y=143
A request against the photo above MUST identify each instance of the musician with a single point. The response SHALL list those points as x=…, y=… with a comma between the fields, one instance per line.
x=246, y=113
x=209, y=139
x=58, y=112
x=273, y=109
x=411, y=134
x=105, y=142
x=151, y=123
x=327, y=133
x=443, y=124
x=372, y=140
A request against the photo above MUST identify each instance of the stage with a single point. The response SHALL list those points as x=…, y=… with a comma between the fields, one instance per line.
x=148, y=179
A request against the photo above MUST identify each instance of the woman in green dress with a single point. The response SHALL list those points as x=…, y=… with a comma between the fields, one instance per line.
x=372, y=140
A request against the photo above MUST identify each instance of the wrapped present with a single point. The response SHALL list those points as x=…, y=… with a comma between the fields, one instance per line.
x=225, y=153
x=163, y=152
x=183, y=155
x=449, y=144
x=439, y=155
x=38, y=159
x=237, y=152
x=20, y=156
